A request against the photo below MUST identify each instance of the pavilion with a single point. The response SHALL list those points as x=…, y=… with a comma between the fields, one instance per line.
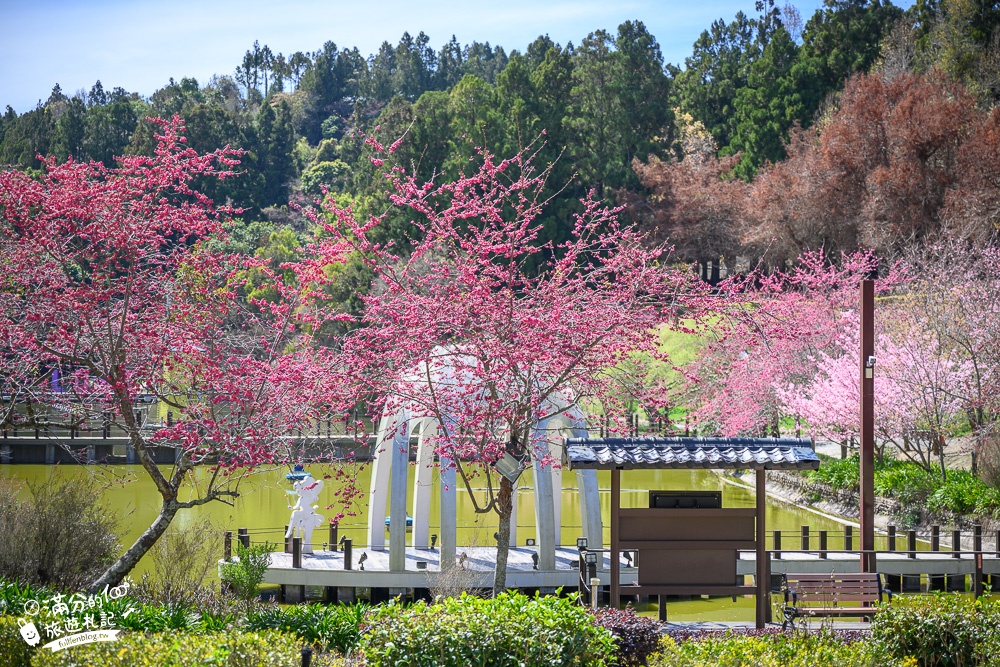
x=690, y=551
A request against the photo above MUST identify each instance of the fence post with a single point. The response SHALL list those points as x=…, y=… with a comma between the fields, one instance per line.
x=348, y=554
x=243, y=535
x=977, y=548
x=288, y=541
x=227, y=555
x=848, y=538
x=296, y=552
x=777, y=544
x=956, y=582
x=893, y=581
x=822, y=544
x=910, y=583
x=935, y=582
x=805, y=538
x=977, y=578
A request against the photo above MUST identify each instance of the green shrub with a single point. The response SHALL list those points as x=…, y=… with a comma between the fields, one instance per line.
x=263, y=649
x=905, y=481
x=636, y=637
x=913, y=486
x=959, y=493
x=988, y=503
x=14, y=651
x=329, y=627
x=61, y=533
x=938, y=630
x=14, y=594
x=838, y=473
x=246, y=573
x=511, y=630
x=771, y=650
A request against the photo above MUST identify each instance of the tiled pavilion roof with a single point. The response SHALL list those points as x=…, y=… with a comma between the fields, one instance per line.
x=663, y=453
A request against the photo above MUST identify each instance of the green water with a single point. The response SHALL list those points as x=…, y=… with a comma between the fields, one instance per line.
x=263, y=508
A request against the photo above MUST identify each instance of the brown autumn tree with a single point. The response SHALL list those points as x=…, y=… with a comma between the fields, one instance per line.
x=972, y=203
x=793, y=206
x=694, y=202
x=876, y=173
x=901, y=158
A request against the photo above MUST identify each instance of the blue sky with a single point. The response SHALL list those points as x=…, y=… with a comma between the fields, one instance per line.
x=139, y=45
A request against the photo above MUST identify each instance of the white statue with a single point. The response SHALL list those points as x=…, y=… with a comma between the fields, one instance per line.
x=304, y=517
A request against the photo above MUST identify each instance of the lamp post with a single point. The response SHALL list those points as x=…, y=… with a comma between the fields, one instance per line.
x=867, y=472
x=591, y=559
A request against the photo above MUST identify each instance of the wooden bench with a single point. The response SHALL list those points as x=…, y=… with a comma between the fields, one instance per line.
x=808, y=595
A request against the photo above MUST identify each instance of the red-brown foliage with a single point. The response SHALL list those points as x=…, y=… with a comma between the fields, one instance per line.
x=876, y=175
x=972, y=204
x=691, y=202
x=899, y=159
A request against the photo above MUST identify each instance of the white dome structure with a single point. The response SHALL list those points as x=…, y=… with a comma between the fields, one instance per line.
x=391, y=459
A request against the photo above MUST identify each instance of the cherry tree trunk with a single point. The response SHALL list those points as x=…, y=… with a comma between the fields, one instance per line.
x=120, y=568
x=505, y=506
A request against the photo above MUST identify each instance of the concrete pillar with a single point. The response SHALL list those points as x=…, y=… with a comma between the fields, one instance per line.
x=555, y=451
x=587, y=488
x=449, y=513
x=50, y=454
x=590, y=507
x=91, y=453
x=379, y=492
x=544, y=516
x=423, y=485
x=5, y=454
x=130, y=453
x=397, y=496
x=513, y=515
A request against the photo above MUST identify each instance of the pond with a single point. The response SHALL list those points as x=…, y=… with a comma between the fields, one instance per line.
x=263, y=508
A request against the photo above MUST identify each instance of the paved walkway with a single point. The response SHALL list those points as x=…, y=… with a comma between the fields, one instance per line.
x=723, y=626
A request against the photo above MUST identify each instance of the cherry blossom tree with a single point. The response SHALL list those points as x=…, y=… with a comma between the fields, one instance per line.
x=792, y=350
x=107, y=283
x=769, y=336
x=918, y=381
x=956, y=292
x=522, y=324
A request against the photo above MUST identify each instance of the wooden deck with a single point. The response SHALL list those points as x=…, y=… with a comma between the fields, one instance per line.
x=326, y=568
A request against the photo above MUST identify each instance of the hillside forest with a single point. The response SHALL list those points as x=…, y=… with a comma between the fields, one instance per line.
x=861, y=129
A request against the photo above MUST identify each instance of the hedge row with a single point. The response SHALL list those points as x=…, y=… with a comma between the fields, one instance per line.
x=942, y=630
x=913, y=486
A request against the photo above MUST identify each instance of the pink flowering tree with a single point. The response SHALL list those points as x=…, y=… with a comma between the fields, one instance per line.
x=917, y=387
x=109, y=287
x=771, y=335
x=792, y=350
x=520, y=324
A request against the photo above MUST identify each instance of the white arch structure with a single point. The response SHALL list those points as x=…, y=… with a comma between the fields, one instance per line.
x=389, y=481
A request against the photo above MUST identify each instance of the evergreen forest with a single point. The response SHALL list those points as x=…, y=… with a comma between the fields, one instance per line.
x=862, y=126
